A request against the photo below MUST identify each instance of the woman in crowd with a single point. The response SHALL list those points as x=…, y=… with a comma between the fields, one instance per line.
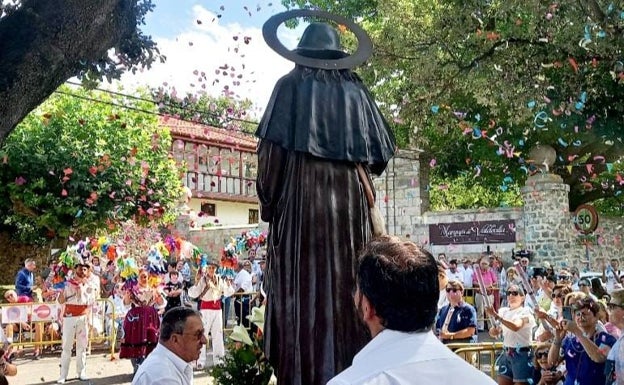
x=614, y=366
x=585, y=287
x=142, y=322
x=544, y=372
x=603, y=318
x=516, y=324
x=457, y=321
x=551, y=318
x=583, y=347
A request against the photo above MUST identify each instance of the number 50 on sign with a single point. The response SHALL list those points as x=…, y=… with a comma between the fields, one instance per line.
x=586, y=219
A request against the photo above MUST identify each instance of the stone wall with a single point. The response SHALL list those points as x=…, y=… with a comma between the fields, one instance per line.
x=543, y=225
x=606, y=243
x=401, y=192
x=13, y=254
x=546, y=216
x=212, y=239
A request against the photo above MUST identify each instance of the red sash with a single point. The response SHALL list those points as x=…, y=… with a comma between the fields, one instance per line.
x=210, y=305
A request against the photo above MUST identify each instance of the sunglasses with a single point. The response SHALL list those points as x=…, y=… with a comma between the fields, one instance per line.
x=513, y=293
x=556, y=295
x=612, y=306
x=583, y=315
x=541, y=354
x=452, y=289
x=564, y=277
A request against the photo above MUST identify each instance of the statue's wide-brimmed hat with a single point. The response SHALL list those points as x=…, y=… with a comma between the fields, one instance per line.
x=319, y=46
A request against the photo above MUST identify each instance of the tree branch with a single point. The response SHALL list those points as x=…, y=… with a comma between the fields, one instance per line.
x=44, y=43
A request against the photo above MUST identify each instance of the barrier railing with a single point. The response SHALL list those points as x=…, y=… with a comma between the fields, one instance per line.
x=36, y=325
x=479, y=355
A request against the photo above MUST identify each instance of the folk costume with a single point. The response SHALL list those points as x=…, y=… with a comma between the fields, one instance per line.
x=142, y=323
x=209, y=290
x=79, y=295
x=319, y=123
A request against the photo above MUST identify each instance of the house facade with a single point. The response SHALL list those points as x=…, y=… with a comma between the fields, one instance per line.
x=220, y=168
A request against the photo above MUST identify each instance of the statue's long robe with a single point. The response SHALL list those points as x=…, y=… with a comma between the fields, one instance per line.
x=317, y=126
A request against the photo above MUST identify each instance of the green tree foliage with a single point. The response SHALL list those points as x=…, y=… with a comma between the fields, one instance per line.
x=460, y=192
x=75, y=166
x=224, y=112
x=479, y=84
x=44, y=43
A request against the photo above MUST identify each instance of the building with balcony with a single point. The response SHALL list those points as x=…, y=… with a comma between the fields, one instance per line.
x=220, y=168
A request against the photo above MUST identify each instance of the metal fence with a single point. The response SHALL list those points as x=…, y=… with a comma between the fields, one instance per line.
x=37, y=325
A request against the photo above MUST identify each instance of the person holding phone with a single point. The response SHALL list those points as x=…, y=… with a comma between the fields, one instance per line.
x=551, y=318
x=516, y=326
x=583, y=347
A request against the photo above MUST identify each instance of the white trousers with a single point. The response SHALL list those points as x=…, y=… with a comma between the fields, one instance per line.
x=480, y=307
x=213, y=324
x=78, y=328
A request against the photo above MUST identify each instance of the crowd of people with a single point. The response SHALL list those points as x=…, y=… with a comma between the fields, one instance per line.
x=102, y=303
x=556, y=326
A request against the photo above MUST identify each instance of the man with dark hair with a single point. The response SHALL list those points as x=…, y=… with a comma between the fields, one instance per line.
x=173, y=290
x=453, y=272
x=180, y=342
x=396, y=295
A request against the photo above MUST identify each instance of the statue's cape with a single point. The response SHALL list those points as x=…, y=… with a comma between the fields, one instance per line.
x=328, y=114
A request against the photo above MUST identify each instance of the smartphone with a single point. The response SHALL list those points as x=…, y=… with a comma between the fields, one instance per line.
x=567, y=313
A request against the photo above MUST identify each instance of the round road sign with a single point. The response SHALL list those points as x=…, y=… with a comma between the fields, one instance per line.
x=586, y=219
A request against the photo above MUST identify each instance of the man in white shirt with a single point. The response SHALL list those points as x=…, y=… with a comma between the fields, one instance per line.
x=78, y=295
x=243, y=284
x=208, y=289
x=611, y=274
x=182, y=337
x=468, y=273
x=453, y=274
x=396, y=295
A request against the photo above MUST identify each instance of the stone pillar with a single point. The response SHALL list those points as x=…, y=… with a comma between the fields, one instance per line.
x=183, y=226
x=546, y=217
x=402, y=193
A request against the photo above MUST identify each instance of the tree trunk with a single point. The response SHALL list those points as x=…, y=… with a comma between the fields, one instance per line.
x=43, y=43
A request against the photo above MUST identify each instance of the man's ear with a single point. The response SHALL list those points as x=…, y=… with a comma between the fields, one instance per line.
x=368, y=310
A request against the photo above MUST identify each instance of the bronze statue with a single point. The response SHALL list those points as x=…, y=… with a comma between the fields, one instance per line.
x=319, y=123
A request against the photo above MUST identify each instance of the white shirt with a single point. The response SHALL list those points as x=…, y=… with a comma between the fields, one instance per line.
x=456, y=276
x=243, y=281
x=522, y=337
x=442, y=299
x=610, y=275
x=467, y=280
x=217, y=288
x=163, y=367
x=398, y=358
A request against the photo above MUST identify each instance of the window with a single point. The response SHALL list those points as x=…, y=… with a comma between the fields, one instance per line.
x=254, y=216
x=209, y=209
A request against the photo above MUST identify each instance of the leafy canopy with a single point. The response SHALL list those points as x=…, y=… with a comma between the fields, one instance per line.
x=479, y=84
x=74, y=166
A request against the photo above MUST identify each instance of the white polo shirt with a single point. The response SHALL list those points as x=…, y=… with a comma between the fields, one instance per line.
x=163, y=367
x=398, y=358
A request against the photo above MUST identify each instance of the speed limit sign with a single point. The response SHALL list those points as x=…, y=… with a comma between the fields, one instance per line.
x=586, y=219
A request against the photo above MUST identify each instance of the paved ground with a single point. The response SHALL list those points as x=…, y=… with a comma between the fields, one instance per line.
x=100, y=369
